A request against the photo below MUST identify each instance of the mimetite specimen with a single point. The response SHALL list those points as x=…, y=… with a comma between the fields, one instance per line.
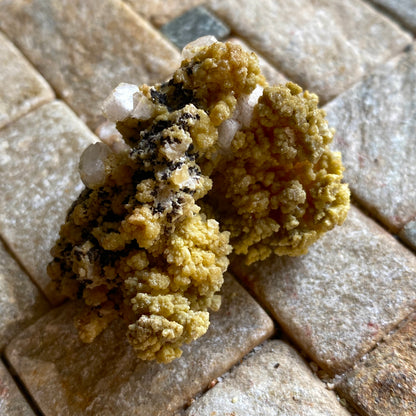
x=210, y=161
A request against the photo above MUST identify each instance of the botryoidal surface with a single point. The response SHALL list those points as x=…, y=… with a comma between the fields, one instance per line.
x=211, y=161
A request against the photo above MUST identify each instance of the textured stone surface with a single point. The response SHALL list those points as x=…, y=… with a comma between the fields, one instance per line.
x=22, y=88
x=275, y=381
x=12, y=402
x=192, y=25
x=337, y=311
x=21, y=303
x=404, y=10
x=39, y=156
x=67, y=377
x=160, y=12
x=376, y=124
x=324, y=45
x=384, y=383
x=96, y=45
x=336, y=302
x=273, y=76
x=408, y=234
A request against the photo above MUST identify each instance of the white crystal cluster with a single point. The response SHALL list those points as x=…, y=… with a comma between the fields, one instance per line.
x=127, y=101
x=241, y=118
x=92, y=164
x=189, y=50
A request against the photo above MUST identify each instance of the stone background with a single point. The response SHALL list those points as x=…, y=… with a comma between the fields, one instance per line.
x=330, y=333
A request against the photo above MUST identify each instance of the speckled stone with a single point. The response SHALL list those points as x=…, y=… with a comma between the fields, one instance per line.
x=104, y=378
x=384, y=383
x=85, y=48
x=159, y=12
x=325, y=46
x=192, y=25
x=21, y=302
x=355, y=284
x=39, y=156
x=272, y=75
x=275, y=381
x=12, y=403
x=408, y=234
x=22, y=88
x=403, y=10
x=376, y=124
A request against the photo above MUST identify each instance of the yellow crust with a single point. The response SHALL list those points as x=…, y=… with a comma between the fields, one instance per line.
x=283, y=186
x=143, y=246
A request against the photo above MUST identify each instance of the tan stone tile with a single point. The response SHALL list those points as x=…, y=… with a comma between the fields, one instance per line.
x=384, y=382
x=21, y=302
x=67, y=377
x=403, y=10
x=336, y=302
x=159, y=12
x=22, y=88
x=376, y=123
x=273, y=76
x=325, y=46
x=85, y=48
x=275, y=381
x=39, y=156
x=12, y=403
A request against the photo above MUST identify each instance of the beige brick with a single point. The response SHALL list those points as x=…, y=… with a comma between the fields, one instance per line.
x=159, y=12
x=104, y=378
x=376, y=123
x=12, y=403
x=22, y=88
x=85, y=48
x=325, y=45
x=355, y=284
x=384, y=382
x=21, y=302
x=275, y=381
x=39, y=156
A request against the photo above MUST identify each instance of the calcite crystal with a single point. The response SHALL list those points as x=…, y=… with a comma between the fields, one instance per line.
x=211, y=160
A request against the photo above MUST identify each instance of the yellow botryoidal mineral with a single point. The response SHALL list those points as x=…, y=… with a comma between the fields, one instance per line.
x=282, y=188
x=211, y=160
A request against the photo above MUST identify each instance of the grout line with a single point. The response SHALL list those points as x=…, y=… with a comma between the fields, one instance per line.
x=40, y=103
x=366, y=211
x=56, y=93
x=290, y=77
x=378, y=8
x=383, y=341
x=21, y=387
x=280, y=333
x=406, y=49
x=32, y=109
x=351, y=403
x=21, y=265
x=148, y=21
x=389, y=14
x=57, y=96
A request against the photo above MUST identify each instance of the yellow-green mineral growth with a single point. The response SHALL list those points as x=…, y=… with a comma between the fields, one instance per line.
x=135, y=243
x=212, y=160
x=282, y=188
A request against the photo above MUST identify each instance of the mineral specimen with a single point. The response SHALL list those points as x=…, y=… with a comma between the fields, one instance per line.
x=211, y=157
